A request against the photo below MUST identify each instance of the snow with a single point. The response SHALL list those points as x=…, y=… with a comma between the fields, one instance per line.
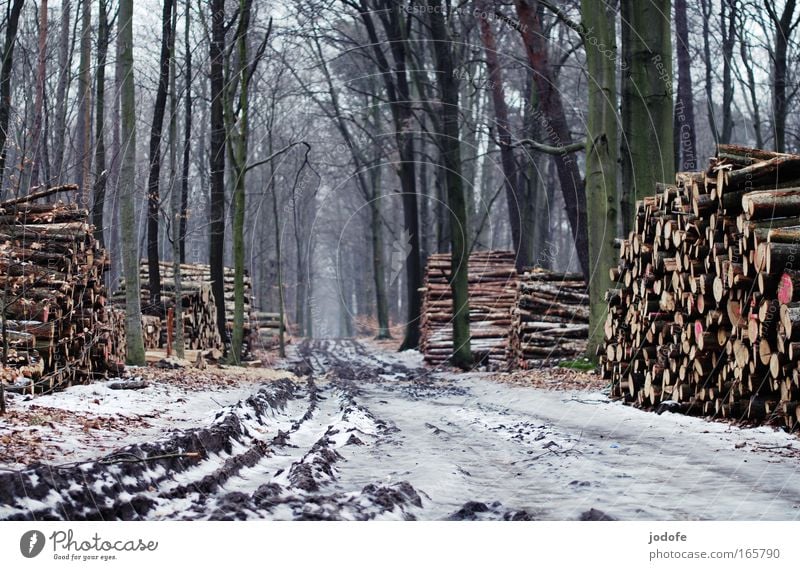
x=455, y=439
x=139, y=415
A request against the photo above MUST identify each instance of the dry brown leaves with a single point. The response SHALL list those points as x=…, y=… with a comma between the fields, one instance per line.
x=211, y=378
x=562, y=379
x=38, y=433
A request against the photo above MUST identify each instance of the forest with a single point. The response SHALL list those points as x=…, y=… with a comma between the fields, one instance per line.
x=280, y=140
x=399, y=203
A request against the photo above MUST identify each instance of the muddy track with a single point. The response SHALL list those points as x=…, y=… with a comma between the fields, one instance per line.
x=272, y=455
x=369, y=435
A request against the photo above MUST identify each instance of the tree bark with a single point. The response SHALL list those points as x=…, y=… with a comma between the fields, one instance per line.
x=378, y=265
x=556, y=124
x=238, y=134
x=64, y=66
x=601, y=159
x=451, y=163
x=84, y=127
x=216, y=257
x=728, y=28
x=154, y=177
x=684, y=126
x=6, y=65
x=783, y=33
x=514, y=199
x=647, y=97
x=707, y=9
x=101, y=177
x=187, y=133
x=127, y=185
x=398, y=92
x=38, y=107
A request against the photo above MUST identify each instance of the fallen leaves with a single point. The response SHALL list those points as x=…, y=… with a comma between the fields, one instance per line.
x=557, y=379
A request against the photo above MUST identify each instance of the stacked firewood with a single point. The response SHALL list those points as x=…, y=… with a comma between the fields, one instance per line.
x=151, y=332
x=198, y=303
x=707, y=310
x=492, y=293
x=52, y=295
x=550, y=319
x=267, y=328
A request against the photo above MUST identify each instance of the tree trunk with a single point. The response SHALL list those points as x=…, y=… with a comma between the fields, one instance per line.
x=396, y=81
x=154, y=177
x=601, y=159
x=127, y=185
x=684, y=129
x=38, y=107
x=238, y=139
x=6, y=65
x=451, y=163
x=84, y=127
x=64, y=66
x=707, y=9
x=553, y=111
x=187, y=134
x=514, y=199
x=174, y=195
x=216, y=257
x=378, y=265
x=647, y=97
x=101, y=177
x=746, y=62
x=728, y=28
x=783, y=32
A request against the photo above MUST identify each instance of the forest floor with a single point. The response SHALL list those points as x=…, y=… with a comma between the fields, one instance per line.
x=353, y=430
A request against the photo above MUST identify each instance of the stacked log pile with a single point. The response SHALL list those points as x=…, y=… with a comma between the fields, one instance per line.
x=266, y=327
x=198, y=303
x=492, y=293
x=550, y=319
x=53, y=296
x=707, y=310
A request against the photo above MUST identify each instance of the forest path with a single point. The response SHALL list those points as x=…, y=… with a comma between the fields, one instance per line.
x=372, y=434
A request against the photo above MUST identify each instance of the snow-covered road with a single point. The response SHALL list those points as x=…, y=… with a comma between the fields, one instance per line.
x=375, y=435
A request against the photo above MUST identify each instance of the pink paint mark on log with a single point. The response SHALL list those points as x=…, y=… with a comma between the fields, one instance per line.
x=785, y=289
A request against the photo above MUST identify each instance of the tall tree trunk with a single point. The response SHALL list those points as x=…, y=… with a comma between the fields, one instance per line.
x=451, y=163
x=101, y=177
x=683, y=128
x=707, y=7
x=398, y=91
x=64, y=66
x=175, y=196
x=6, y=65
x=601, y=158
x=514, y=199
x=378, y=265
x=752, y=89
x=553, y=110
x=216, y=256
x=187, y=133
x=783, y=32
x=647, y=97
x=84, y=127
x=127, y=185
x=154, y=177
x=301, y=294
x=38, y=107
x=728, y=28
x=238, y=134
